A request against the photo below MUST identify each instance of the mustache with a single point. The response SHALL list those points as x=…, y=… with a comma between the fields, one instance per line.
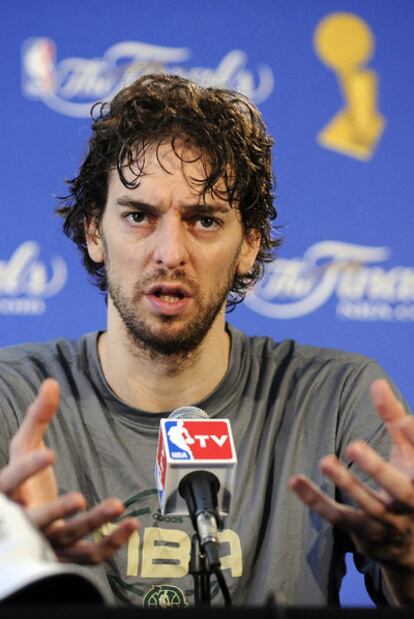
x=163, y=275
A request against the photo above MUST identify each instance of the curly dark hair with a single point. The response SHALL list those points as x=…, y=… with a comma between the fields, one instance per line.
x=224, y=125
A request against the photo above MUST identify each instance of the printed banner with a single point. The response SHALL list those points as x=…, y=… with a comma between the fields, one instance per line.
x=334, y=83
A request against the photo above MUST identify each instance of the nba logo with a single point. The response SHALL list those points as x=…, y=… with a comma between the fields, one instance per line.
x=160, y=467
x=201, y=439
x=179, y=440
x=38, y=67
x=186, y=445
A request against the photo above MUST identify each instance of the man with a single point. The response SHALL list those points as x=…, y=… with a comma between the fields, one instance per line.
x=172, y=211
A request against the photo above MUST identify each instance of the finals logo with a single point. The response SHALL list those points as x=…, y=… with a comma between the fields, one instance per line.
x=345, y=43
x=26, y=281
x=72, y=85
x=365, y=291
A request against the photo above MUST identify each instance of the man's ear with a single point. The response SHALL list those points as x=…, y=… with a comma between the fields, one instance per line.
x=248, y=252
x=94, y=240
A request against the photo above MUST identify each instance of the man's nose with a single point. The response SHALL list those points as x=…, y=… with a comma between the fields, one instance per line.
x=171, y=245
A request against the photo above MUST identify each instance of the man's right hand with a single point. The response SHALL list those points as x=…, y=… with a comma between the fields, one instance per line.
x=29, y=479
x=41, y=487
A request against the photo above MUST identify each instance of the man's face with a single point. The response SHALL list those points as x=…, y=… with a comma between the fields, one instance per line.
x=170, y=254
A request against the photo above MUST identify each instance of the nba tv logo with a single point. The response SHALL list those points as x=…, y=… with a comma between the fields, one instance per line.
x=196, y=440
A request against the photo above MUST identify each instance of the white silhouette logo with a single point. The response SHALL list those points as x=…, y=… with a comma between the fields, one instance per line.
x=297, y=287
x=181, y=438
x=26, y=281
x=72, y=85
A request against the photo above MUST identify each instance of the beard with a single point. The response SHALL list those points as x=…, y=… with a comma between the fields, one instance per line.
x=162, y=336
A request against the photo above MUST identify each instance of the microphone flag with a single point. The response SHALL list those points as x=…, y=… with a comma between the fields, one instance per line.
x=187, y=445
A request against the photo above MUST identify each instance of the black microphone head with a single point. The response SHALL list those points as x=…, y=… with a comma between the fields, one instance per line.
x=188, y=412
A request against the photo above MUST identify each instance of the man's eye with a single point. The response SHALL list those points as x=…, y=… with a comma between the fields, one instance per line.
x=207, y=222
x=136, y=217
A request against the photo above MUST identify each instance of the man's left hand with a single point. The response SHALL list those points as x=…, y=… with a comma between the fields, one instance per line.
x=382, y=522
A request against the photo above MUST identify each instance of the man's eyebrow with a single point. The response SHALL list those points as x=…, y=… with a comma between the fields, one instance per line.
x=130, y=203
x=207, y=208
x=125, y=201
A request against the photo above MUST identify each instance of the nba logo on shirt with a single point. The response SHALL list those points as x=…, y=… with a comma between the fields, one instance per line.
x=201, y=439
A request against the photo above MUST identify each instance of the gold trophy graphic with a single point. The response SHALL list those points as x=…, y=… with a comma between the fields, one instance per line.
x=345, y=43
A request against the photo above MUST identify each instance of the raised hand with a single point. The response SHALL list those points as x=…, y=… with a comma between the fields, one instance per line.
x=382, y=522
x=29, y=479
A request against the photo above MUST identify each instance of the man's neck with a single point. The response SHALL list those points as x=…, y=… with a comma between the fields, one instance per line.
x=156, y=384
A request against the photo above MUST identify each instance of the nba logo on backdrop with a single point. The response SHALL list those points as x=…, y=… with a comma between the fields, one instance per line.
x=38, y=64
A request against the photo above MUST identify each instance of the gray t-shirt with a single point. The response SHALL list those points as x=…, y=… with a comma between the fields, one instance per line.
x=289, y=405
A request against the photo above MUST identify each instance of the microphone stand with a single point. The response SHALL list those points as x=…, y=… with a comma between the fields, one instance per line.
x=199, y=569
x=199, y=490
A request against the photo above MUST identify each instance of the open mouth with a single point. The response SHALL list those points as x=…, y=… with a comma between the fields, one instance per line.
x=170, y=298
x=170, y=294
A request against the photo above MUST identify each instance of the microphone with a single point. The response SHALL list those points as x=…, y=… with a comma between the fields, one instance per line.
x=195, y=472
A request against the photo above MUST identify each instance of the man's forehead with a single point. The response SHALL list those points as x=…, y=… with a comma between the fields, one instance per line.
x=169, y=154
x=146, y=196
x=170, y=163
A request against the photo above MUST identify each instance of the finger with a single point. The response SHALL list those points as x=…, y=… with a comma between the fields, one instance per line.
x=347, y=518
x=363, y=496
x=386, y=403
x=407, y=429
x=37, y=418
x=93, y=553
x=14, y=474
x=44, y=515
x=389, y=409
x=397, y=484
x=69, y=532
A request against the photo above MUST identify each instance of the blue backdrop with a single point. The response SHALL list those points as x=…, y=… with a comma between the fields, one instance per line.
x=334, y=81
